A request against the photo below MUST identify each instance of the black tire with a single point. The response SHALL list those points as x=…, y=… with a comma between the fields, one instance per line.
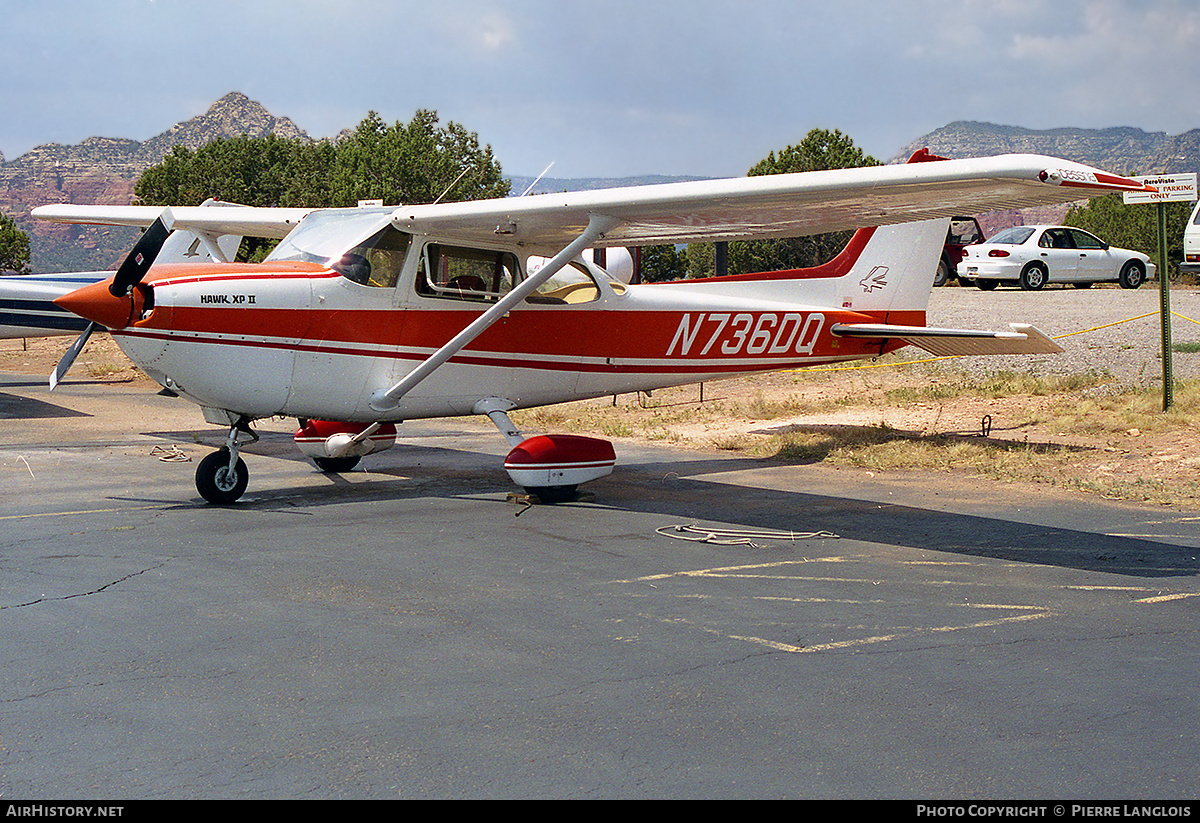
x=336, y=465
x=1033, y=277
x=1133, y=275
x=986, y=285
x=552, y=494
x=942, y=275
x=213, y=480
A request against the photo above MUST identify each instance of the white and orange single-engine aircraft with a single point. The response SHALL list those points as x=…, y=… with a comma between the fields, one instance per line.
x=365, y=317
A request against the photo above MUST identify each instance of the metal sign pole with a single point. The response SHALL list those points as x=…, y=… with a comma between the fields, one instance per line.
x=1165, y=188
x=1164, y=298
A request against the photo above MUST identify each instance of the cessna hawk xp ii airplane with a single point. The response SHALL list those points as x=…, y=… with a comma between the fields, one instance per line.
x=362, y=318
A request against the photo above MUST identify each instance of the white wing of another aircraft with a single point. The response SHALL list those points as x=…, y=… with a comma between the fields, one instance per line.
x=784, y=205
x=225, y=219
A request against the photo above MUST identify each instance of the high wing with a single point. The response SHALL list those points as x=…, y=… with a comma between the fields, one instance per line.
x=785, y=205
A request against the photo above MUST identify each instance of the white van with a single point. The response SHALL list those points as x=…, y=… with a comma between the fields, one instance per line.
x=1191, y=244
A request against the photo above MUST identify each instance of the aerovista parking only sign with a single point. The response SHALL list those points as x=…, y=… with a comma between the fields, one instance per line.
x=1170, y=188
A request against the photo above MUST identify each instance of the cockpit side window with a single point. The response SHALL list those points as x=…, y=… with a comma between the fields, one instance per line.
x=377, y=261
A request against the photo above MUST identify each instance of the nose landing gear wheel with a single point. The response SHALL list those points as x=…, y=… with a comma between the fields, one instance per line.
x=216, y=482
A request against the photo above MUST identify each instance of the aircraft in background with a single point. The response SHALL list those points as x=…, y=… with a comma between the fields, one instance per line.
x=27, y=306
x=362, y=318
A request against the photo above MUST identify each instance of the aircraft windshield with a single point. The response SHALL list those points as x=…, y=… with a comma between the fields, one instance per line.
x=324, y=236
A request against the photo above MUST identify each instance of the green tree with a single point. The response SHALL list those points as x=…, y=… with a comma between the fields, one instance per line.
x=414, y=162
x=253, y=171
x=14, y=247
x=1133, y=226
x=819, y=150
x=661, y=263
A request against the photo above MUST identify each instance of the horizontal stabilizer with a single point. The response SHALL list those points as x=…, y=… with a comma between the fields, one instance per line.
x=1023, y=339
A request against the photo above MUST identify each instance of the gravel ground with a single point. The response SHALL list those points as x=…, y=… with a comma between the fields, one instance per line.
x=1130, y=351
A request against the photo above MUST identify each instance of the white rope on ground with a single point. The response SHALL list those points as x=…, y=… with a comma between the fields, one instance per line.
x=734, y=537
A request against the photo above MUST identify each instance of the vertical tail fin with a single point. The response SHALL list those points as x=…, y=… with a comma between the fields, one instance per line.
x=894, y=271
x=896, y=267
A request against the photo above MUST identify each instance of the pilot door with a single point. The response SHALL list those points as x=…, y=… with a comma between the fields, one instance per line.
x=451, y=287
x=354, y=331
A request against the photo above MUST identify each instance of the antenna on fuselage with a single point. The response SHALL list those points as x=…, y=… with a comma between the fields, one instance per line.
x=461, y=174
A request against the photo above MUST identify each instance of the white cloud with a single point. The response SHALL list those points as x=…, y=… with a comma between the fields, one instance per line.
x=623, y=86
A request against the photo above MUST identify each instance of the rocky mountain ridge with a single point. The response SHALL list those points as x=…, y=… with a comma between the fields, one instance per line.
x=1122, y=150
x=104, y=170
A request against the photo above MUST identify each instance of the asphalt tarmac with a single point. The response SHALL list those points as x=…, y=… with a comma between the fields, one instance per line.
x=406, y=631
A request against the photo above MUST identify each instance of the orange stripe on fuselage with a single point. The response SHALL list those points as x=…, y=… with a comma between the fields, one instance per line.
x=837, y=267
x=630, y=340
x=178, y=273
x=629, y=335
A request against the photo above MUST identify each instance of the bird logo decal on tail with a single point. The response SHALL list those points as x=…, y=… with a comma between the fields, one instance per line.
x=875, y=279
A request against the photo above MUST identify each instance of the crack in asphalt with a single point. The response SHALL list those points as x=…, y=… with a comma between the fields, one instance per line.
x=108, y=585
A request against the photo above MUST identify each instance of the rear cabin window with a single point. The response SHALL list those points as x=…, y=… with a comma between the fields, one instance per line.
x=456, y=273
x=572, y=284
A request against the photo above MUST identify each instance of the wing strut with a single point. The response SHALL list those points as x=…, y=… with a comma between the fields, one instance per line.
x=598, y=224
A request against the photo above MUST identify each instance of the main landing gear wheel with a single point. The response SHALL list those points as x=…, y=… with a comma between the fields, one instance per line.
x=552, y=494
x=336, y=465
x=216, y=482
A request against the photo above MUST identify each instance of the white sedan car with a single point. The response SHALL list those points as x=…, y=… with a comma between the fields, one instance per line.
x=1032, y=256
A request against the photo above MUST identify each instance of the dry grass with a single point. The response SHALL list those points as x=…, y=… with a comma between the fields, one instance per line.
x=1081, y=432
x=1078, y=432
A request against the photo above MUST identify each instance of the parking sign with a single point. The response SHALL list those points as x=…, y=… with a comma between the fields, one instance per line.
x=1171, y=188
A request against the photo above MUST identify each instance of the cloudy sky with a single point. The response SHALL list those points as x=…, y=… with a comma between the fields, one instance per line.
x=605, y=87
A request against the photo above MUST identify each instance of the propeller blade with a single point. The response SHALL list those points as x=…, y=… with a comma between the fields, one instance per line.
x=60, y=371
x=135, y=266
